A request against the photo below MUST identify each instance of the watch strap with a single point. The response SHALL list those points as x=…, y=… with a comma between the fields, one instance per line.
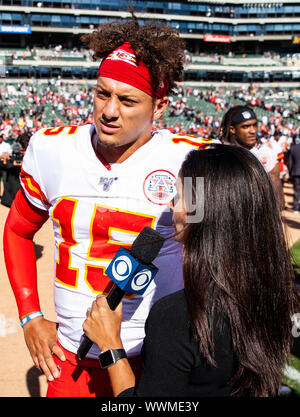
x=111, y=356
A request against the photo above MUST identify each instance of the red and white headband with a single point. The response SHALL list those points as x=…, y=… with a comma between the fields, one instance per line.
x=121, y=65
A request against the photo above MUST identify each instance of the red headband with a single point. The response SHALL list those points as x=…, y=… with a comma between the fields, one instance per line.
x=121, y=65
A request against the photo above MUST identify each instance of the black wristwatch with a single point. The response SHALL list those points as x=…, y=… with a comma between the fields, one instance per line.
x=111, y=356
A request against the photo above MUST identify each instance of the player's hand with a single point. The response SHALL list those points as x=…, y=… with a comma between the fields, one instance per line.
x=41, y=339
x=103, y=325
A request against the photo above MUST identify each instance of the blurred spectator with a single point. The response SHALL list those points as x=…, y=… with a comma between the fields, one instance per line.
x=5, y=150
x=294, y=170
x=12, y=167
x=279, y=144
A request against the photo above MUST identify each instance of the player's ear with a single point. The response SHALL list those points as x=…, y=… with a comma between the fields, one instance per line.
x=232, y=130
x=160, y=105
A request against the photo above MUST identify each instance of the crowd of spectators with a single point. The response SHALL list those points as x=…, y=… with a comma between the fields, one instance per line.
x=52, y=104
x=273, y=116
x=29, y=106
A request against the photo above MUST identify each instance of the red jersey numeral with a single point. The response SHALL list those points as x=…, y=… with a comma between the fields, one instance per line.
x=65, y=210
x=190, y=140
x=56, y=130
x=104, y=223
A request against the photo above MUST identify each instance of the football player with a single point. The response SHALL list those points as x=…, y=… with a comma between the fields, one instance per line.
x=239, y=127
x=100, y=184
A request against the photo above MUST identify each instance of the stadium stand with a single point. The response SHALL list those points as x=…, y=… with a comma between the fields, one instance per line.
x=242, y=36
x=32, y=104
x=228, y=45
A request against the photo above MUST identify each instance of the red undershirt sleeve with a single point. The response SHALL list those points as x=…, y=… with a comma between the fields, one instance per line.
x=22, y=222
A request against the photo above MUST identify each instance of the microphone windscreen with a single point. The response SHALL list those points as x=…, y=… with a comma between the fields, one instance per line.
x=146, y=246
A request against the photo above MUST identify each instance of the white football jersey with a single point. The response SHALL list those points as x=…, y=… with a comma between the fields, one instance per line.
x=276, y=146
x=266, y=154
x=95, y=209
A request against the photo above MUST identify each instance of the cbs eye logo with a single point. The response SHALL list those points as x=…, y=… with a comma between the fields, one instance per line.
x=122, y=269
x=141, y=280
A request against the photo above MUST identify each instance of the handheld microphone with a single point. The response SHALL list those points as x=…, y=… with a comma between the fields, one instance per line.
x=131, y=271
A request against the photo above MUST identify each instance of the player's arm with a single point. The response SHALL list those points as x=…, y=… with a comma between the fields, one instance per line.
x=274, y=176
x=22, y=222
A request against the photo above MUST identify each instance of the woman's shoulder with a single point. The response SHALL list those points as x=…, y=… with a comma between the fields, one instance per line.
x=168, y=321
x=170, y=306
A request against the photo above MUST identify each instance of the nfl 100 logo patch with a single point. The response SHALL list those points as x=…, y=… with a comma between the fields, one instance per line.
x=107, y=182
x=159, y=187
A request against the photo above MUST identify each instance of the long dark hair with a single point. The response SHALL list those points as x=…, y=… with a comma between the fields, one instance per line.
x=237, y=259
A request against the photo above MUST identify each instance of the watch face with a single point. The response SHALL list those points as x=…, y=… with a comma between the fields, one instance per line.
x=106, y=359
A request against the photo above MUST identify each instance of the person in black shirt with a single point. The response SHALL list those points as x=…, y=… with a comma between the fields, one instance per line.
x=294, y=171
x=12, y=168
x=229, y=332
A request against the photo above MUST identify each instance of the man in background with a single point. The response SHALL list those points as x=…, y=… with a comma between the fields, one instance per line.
x=11, y=167
x=294, y=171
x=5, y=152
x=239, y=127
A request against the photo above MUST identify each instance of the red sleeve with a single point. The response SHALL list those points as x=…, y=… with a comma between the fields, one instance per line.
x=22, y=222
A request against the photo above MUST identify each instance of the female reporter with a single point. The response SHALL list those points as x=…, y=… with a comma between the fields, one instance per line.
x=229, y=332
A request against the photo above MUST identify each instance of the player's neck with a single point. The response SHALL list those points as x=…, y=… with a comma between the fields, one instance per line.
x=119, y=154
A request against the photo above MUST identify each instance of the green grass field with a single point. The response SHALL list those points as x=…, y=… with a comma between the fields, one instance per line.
x=292, y=374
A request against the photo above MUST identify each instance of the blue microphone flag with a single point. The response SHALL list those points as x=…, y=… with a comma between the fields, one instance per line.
x=129, y=274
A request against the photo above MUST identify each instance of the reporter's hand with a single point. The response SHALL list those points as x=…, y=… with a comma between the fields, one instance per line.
x=103, y=325
x=41, y=339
